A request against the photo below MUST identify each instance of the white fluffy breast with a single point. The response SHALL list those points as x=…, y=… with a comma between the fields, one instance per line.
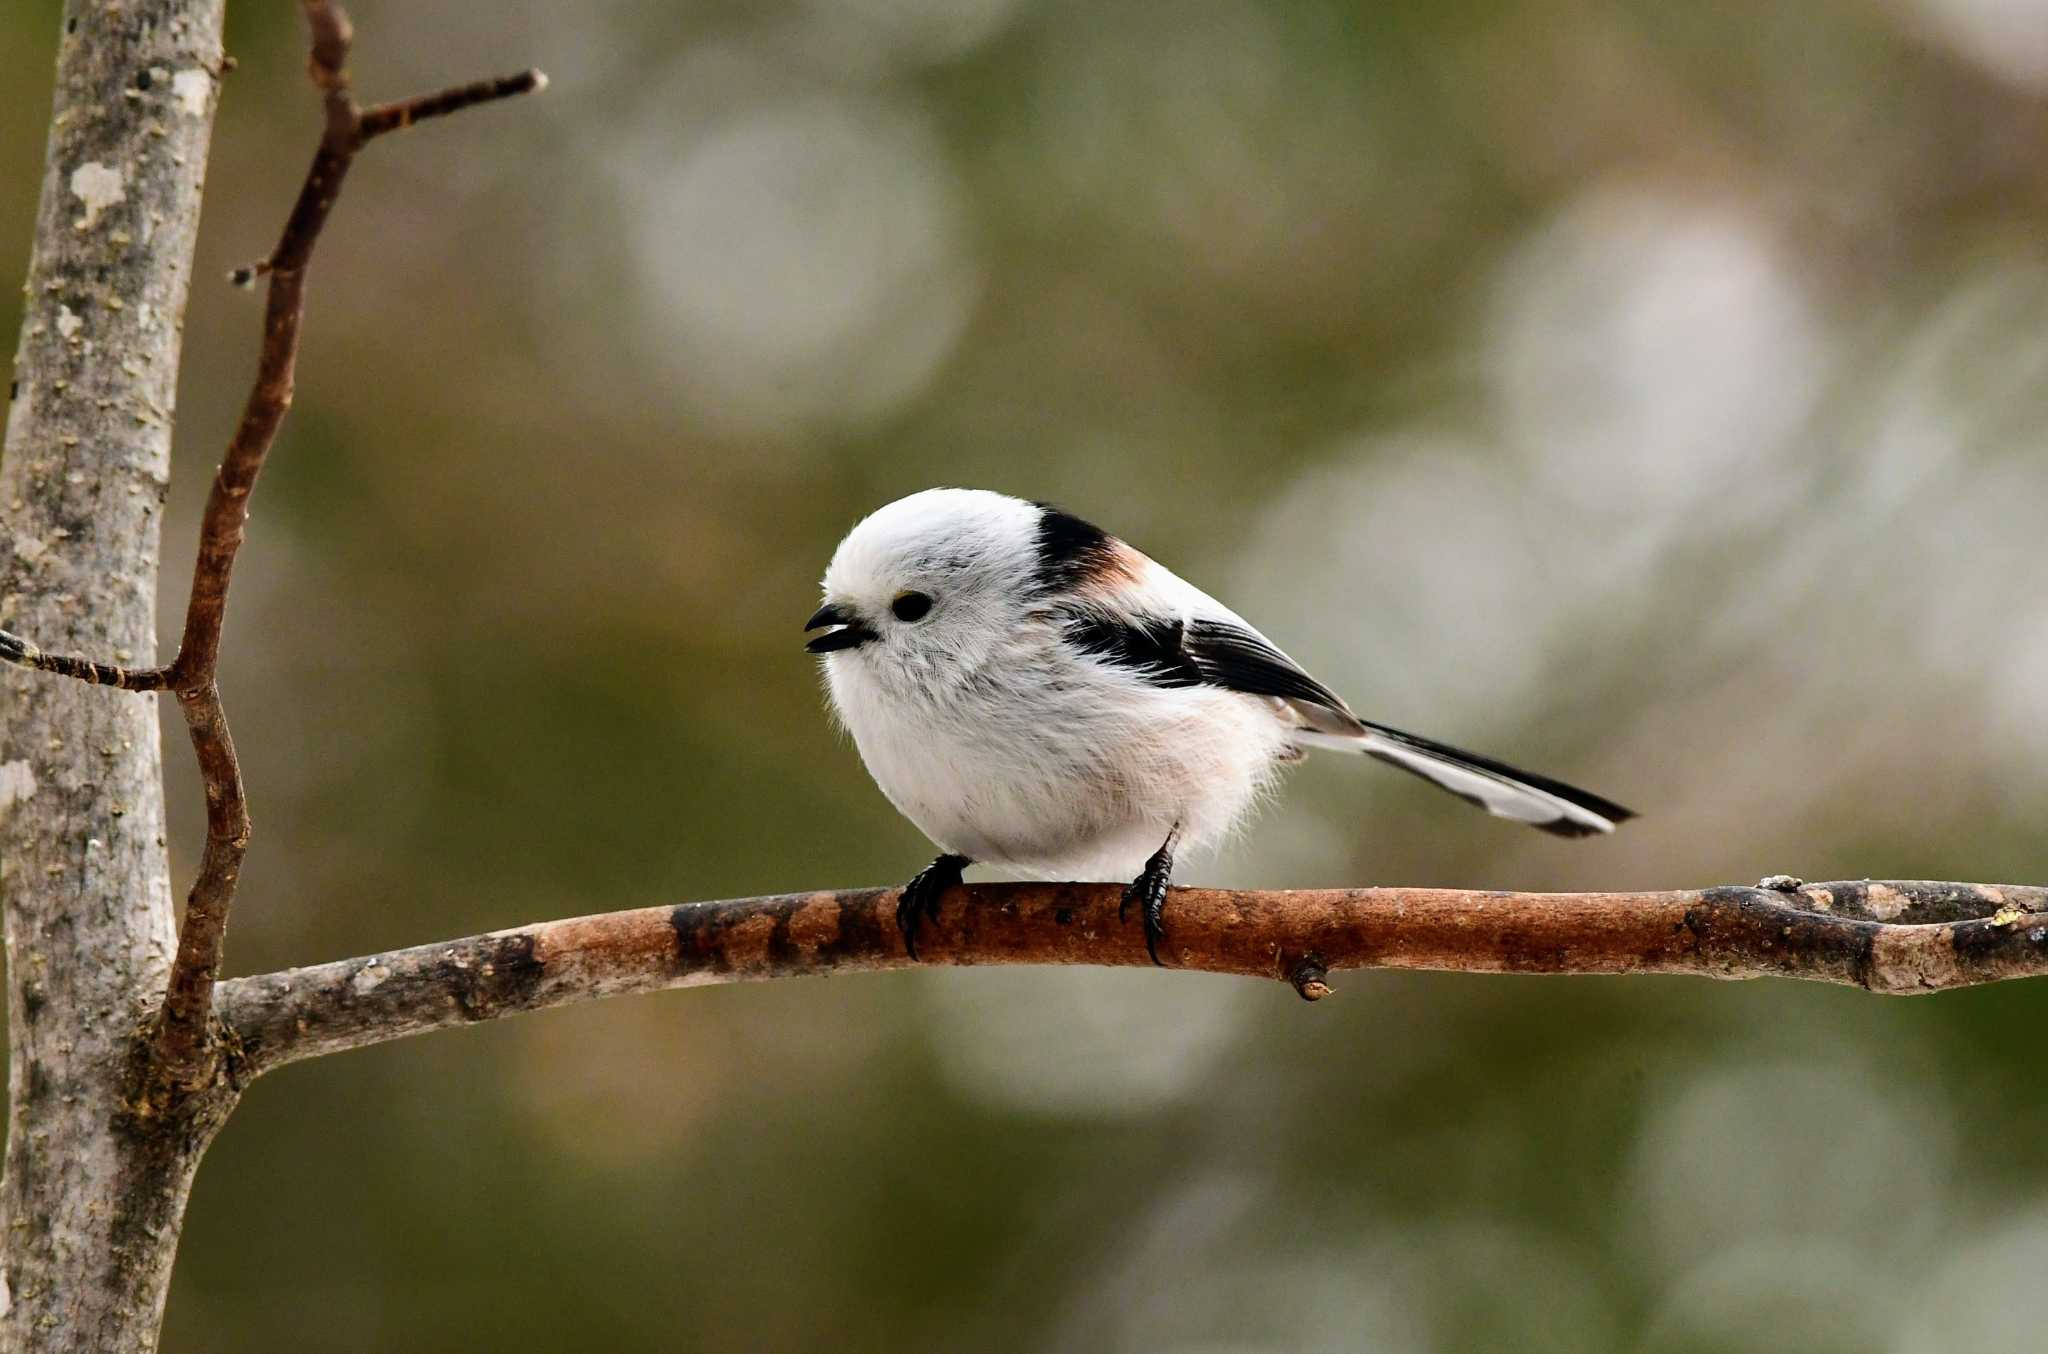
x=1047, y=763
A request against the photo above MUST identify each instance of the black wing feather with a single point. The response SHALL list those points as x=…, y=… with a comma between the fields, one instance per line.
x=1150, y=648
x=1238, y=659
x=1173, y=653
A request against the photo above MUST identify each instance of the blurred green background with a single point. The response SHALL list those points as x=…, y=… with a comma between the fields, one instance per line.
x=1651, y=394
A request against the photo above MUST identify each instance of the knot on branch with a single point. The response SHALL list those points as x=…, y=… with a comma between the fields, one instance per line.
x=1311, y=978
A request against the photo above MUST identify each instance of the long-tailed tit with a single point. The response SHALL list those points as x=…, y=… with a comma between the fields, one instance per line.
x=1035, y=694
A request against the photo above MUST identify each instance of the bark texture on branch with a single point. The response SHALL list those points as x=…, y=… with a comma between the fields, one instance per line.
x=91, y=1196
x=1887, y=937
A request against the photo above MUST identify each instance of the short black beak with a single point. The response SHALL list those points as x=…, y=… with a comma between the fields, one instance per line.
x=850, y=633
x=829, y=614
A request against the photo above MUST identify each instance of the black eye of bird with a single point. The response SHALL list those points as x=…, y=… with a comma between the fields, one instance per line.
x=911, y=606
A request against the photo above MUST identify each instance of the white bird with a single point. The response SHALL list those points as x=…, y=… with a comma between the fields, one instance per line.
x=1036, y=695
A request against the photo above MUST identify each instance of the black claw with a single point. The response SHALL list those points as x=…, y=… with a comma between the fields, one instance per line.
x=920, y=899
x=1149, y=891
x=1155, y=922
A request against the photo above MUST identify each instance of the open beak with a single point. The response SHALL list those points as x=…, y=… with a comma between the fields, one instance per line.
x=847, y=631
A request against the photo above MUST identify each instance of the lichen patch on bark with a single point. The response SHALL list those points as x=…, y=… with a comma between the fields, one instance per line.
x=17, y=782
x=190, y=88
x=99, y=187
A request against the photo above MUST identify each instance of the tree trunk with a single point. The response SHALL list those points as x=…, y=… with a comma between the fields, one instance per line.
x=95, y=1180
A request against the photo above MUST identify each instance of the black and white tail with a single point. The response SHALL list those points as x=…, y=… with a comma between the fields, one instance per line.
x=1500, y=789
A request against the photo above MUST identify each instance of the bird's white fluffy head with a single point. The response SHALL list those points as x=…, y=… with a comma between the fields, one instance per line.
x=973, y=552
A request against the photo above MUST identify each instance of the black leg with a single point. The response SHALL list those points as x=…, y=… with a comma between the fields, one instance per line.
x=921, y=896
x=1149, y=891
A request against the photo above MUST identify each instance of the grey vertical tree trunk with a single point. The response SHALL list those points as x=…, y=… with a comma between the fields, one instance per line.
x=95, y=1185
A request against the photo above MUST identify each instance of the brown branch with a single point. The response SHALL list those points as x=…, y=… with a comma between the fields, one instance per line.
x=396, y=117
x=1886, y=937
x=182, y=1045
x=15, y=649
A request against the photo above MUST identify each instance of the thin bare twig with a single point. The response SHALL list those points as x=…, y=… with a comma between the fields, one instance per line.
x=183, y=1049
x=1886, y=937
x=15, y=649
x=396, y=117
